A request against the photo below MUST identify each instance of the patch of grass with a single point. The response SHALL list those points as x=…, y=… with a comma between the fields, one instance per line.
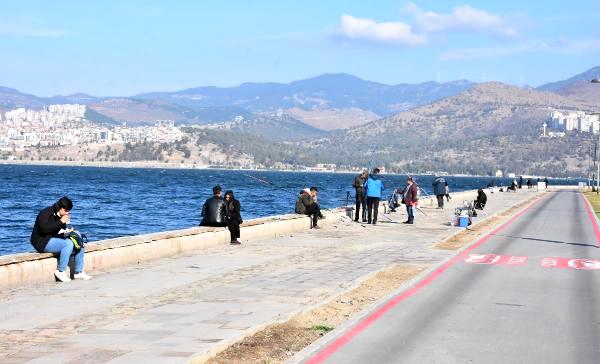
x=323, y=328
x=594, y=199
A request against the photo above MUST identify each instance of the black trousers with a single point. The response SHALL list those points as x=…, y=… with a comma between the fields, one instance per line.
x=440, y=200
x=234, y=229
x=314, y=211
x=361, y=199
x=373, y=206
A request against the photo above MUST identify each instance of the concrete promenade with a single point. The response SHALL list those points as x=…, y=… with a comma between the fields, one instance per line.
x=185, y=308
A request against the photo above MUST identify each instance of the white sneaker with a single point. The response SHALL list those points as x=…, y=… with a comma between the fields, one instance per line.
x=61, y=276
x=82, y=276
x=239, y=240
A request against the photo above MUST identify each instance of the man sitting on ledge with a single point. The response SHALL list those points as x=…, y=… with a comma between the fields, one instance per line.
x=307, y=205
x=50, y=234
x=214, y=211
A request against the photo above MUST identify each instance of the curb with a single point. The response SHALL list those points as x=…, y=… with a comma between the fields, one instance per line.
x=331, y=336
x=215, y=350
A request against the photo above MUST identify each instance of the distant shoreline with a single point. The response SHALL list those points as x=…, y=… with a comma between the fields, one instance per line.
x=154, y=165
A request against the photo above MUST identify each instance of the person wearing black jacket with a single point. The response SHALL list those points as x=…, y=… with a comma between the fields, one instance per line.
x=234, y=217
x=49, y=235
x=214, y=211
x=361, y=195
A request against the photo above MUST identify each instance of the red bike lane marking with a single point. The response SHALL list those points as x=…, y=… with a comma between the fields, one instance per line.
x=370, y=319
x=592, y=219
x=493, y=259
x=579, y=264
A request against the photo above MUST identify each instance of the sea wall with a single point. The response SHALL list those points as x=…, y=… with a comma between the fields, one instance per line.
x=27, y=268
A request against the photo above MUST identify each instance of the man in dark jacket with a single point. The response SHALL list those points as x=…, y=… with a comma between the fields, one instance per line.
x=411, y=199
x=439, y=190
x=305, y=205
x=214, y=211
x=49, y=235
x=361, y=195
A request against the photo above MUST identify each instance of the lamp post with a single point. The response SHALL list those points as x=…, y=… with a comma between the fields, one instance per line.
x=597, y=80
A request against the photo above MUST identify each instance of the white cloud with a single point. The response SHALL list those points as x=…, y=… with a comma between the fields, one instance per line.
x=462, y=18
x=30, y=31
x=394, y=33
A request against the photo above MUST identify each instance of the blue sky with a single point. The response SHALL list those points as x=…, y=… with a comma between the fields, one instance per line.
x=122, y=48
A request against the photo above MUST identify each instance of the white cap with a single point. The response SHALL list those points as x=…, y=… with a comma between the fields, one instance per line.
x=307, y=190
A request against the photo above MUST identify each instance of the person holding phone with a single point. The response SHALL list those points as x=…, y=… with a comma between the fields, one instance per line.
x=49, y=235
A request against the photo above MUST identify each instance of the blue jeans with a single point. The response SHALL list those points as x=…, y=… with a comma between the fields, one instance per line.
x=64, y=247
x=410, y=210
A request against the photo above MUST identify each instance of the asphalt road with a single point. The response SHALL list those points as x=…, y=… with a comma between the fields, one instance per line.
x=528, y=293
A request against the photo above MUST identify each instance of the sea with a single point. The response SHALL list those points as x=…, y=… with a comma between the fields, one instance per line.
x=116, y=202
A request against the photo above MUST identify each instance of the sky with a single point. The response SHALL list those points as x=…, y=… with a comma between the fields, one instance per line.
x=122, y=48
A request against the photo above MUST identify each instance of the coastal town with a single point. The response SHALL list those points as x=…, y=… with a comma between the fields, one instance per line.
x=58, y=125
x=563, y=122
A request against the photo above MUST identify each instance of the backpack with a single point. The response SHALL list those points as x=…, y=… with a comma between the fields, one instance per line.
x=78, y=239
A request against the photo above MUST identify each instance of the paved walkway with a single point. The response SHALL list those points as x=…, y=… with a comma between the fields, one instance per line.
x=174, y=309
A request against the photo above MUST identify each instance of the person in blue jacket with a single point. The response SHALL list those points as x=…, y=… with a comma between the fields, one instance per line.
x=374, y=187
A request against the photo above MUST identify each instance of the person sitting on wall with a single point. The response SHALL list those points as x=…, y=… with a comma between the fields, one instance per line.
x=49, y=235
x=314, y=196
x=395, y=200
x=214, y=211
x=306, y=206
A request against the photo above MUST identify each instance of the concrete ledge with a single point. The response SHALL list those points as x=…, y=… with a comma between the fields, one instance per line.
x=27, y=268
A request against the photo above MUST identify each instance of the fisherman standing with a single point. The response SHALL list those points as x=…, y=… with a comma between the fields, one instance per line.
x=411, y=199
x=374, y=187
x=361, y=195
x=439, y=190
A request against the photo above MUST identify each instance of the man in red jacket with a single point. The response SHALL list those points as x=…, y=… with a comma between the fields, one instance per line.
x=411, y=199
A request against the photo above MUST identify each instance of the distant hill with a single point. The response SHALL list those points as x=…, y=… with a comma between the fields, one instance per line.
x=582, y=91
x=491, y=126
x=328, y=102
x=278, y=128
x=577, y=79
x=327, y=91
x=13, y=99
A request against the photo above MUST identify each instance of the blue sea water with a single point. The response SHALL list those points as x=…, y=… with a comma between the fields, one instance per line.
x=114, y=202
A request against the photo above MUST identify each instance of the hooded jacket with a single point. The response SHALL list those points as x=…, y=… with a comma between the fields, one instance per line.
x=214, y=212
x=374, y=186
x=47, y=225
x=439, y=186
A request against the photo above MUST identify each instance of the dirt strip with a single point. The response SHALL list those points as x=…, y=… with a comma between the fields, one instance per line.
x=468, y=235
x=279, y=342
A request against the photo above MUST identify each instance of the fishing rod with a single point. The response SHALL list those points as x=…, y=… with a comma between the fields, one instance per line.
x=259, y=179
x=418, y=188
x=294, y=195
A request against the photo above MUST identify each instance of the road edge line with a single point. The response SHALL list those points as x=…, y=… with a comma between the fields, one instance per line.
x=405, y=291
